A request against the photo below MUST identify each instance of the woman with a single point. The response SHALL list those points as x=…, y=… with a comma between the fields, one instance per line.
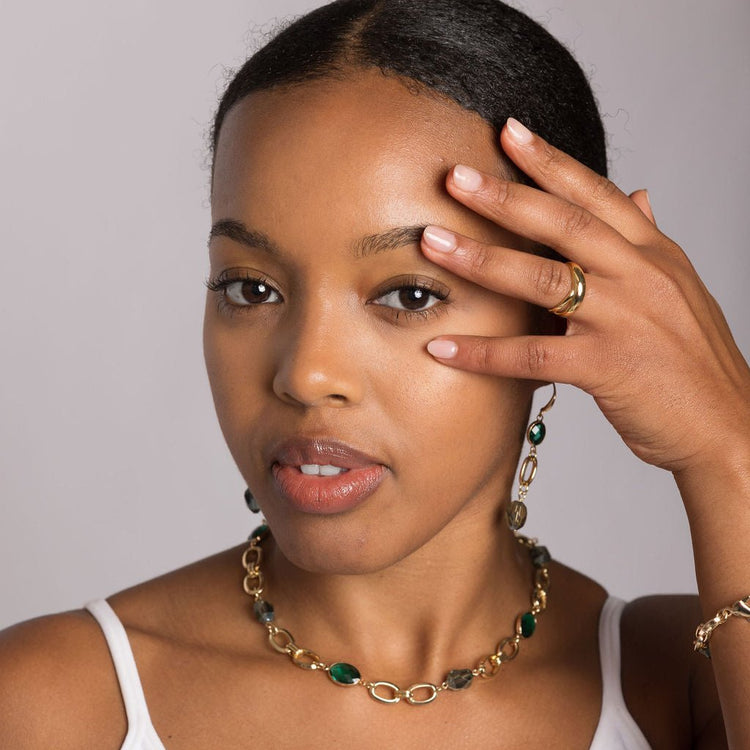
x=375, y=327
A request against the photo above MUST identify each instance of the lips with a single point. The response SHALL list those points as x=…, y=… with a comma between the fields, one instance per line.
x=324, y=476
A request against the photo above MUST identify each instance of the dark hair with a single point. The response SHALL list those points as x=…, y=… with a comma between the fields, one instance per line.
x=482, y=54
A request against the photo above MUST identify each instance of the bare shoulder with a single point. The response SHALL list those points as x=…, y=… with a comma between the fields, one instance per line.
x=669, y=688
x=58, y=686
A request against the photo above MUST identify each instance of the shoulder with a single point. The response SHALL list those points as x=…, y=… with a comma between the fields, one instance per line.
x=58, y=687
x=667, y=686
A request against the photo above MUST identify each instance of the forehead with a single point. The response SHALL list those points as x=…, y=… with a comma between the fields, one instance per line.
x=365, y=148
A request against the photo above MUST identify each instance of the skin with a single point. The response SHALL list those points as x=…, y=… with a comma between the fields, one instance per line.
x=424, y=575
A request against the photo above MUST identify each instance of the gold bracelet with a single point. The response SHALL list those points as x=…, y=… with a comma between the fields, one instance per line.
x=703, y=632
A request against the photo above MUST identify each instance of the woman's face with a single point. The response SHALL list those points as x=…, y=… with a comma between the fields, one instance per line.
x=315, y=331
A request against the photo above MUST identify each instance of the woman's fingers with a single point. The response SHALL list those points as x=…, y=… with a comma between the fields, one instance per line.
x=648, y=342
x=641, y=199
x=546, y=219
x=560, y=174
x=510, y=272
x=545, y=358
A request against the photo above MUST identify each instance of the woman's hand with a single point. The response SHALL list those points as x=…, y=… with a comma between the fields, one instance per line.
x=649, y=342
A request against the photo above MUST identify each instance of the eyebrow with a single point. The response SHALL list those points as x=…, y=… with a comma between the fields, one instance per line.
x=370, y=244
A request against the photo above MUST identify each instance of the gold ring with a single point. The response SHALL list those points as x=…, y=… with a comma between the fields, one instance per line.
x=574, y=297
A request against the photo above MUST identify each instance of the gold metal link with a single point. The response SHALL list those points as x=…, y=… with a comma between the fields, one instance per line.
x=395, y=692
x=253, y=589
x=432, y=693
x=282, y=648
x=541, y=578
x=489, y=666
x=528, y=469
x=527, y=541
x=252, y=558
x=305, y=659
x=507, y=649
x=703, y=632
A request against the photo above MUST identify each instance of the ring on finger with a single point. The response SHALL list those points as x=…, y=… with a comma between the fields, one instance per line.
x=573, y=299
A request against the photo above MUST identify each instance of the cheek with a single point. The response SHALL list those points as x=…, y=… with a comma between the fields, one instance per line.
x=235, y=373
x=444, y=414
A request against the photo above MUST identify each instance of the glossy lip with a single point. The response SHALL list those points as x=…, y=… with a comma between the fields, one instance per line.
x=324, y=495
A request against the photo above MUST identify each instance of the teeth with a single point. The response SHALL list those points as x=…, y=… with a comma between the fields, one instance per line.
x=326, y=470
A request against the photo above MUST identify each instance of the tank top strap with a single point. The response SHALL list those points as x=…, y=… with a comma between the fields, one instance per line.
x=141, y=733
x=617, y=729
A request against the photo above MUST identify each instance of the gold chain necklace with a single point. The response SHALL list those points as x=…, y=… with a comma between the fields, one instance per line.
x=347, y=675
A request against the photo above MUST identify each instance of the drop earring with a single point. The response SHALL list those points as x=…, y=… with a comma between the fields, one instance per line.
x=535, y=433
x=251, y=502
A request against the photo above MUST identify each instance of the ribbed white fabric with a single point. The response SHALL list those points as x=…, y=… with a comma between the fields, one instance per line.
x=141, y=733
x=616, y=730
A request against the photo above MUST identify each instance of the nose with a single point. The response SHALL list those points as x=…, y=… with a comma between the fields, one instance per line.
x=316, y=365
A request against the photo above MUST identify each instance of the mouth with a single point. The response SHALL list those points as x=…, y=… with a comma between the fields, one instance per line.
x=324, y=476
x=326, y=470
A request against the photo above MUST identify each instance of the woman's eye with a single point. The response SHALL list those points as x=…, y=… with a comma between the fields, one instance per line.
x=250, y=292
x=410, y=298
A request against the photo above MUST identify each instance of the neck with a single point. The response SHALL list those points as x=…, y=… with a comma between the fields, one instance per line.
x=445, y=606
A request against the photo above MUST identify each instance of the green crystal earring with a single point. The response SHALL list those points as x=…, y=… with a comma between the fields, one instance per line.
x=535, y=434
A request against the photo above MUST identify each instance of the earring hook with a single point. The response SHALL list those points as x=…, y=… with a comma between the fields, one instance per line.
x=551, y=402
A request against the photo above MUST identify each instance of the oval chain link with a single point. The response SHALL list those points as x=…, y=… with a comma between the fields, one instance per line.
x=372, y=688
x=282, y=648
x=432, y=693
x=256, y=589
x=502, y=652
x=528, y=469
x=254, y=564
x=253, y=582
x=305, y=659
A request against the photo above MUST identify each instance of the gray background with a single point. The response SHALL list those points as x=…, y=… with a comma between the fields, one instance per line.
x=112, y=466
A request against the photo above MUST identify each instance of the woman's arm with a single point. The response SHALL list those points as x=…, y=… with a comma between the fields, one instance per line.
x=649, y=343
x=717, y=500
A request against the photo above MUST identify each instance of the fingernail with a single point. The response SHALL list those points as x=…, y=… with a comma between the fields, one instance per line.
x=519, y=132
x=467, y=178
x=648, y=200
x=439, y=239
x=442, y=349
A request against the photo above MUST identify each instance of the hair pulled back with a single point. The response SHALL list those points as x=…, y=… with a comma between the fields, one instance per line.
x=482, y=54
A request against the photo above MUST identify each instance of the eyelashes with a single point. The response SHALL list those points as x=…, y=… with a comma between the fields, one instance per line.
x=237, y=290
x=412, y=297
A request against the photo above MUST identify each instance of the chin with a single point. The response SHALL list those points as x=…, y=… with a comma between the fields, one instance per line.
x=338, y=545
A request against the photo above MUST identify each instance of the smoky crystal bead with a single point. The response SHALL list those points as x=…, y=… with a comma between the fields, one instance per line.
x=459, y=679
x=263, y=611
x=540, y=556
x=516, y=515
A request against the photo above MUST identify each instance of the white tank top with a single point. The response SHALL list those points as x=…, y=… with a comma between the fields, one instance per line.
x=616, y=730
